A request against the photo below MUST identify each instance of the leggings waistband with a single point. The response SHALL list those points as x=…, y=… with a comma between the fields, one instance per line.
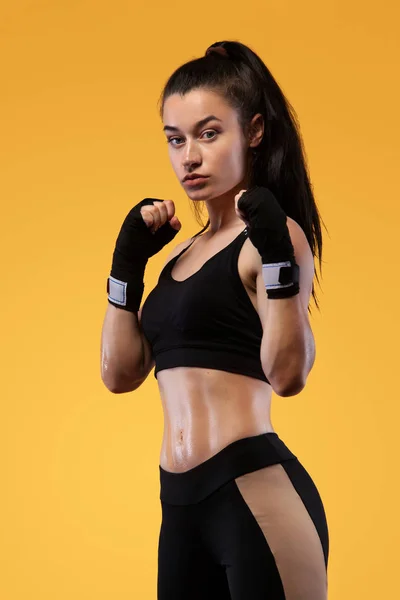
x=240, y=457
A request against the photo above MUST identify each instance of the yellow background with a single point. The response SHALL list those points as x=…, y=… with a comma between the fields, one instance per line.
x=81, y=143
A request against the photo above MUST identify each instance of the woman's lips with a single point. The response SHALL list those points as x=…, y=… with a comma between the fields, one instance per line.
x=194, y=182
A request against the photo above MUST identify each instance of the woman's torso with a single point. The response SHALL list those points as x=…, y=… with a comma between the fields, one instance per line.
x=206, y=409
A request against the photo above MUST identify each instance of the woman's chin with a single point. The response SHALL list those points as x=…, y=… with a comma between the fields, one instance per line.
x=199, y=194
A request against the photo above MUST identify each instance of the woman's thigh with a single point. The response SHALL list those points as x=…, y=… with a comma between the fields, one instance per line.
x=268, y=529
x=185, y=570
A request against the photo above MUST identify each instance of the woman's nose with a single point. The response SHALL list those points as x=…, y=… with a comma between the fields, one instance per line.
x=190, y=162
x=191, y=156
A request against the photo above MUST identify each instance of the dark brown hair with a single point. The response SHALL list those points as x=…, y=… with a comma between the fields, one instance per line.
x=279, y=161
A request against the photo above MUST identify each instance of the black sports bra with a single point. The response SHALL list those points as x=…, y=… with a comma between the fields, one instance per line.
x=207, y=320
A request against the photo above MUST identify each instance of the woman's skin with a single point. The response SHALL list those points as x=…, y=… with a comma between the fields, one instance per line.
x=206, y=409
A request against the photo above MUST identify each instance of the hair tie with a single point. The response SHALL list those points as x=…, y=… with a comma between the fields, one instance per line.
x=217, y=49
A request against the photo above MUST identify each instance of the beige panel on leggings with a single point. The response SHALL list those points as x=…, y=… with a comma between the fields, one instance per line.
x=289, y=531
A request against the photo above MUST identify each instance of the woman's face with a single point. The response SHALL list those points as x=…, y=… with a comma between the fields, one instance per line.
x=217, y=149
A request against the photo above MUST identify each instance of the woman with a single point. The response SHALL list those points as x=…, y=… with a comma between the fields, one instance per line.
x=226, y=324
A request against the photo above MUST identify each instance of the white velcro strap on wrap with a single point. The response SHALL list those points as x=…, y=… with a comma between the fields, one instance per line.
x=271, y=272
x=117, y=291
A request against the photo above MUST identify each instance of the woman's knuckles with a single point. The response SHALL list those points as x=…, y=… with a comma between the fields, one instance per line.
x=159, y=213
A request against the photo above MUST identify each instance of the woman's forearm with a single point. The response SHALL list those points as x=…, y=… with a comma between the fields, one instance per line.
x=122, y=350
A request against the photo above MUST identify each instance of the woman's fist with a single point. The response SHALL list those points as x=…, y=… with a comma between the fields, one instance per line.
x=157, y=214
x=239, y=212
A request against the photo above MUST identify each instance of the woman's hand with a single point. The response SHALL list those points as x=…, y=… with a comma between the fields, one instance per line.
x=157, y=214
x=266, y=221
x=238, y=212
x=268, y=232
x=135, y=245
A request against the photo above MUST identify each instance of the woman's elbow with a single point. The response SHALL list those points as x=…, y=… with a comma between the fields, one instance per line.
x=115, y=382
x=289, y=388
x=119, y=386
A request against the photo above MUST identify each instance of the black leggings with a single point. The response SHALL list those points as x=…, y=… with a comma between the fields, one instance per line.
x=246, y=524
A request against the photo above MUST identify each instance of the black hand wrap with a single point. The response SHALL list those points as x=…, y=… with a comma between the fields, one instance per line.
x=134, y=246
x=269, y=233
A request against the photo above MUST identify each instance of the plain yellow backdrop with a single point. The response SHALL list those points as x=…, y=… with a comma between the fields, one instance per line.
x=81, y=143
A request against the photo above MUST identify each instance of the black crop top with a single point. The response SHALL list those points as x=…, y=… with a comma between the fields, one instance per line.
x=207, y=320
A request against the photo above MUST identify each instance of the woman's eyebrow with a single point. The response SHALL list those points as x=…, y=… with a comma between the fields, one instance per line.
x=197, y=125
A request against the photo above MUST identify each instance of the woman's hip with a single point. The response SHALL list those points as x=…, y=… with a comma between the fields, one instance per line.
x=238, y=458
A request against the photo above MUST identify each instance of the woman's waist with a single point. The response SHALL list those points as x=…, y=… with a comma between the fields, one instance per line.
x=194, y=483
x=182, y=449
x=204, y=412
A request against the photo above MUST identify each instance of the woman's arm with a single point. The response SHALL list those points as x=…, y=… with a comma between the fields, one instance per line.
x=288, y=345
x=126, y=358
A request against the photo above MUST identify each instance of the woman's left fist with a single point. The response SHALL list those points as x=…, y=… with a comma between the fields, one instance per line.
x=268, y=232
x=238, y=212
x=266, y=221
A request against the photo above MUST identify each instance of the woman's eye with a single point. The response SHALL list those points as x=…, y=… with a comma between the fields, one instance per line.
x=170, y=140
x=211, y=131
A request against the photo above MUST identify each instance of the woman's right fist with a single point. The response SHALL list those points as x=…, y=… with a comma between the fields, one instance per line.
x=157, y=214
x=135, y=245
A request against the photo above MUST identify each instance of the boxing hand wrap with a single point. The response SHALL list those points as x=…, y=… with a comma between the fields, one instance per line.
x=134, y=246
x=269, y=233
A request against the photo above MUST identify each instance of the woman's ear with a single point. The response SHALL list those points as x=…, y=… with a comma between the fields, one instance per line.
x=256, y=129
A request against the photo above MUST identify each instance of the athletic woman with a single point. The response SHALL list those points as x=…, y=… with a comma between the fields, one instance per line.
x=226, y=324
